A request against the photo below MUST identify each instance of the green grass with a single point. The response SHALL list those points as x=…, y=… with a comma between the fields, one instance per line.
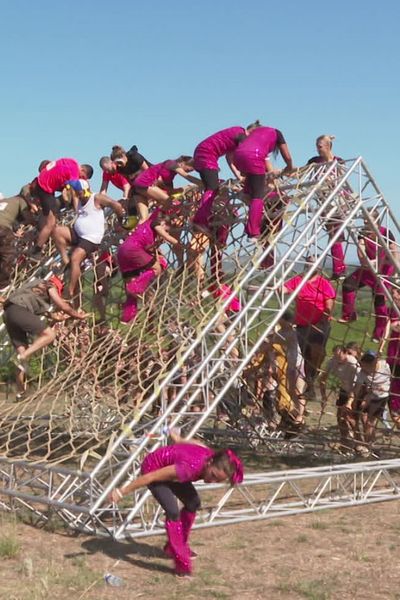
x=9, y=545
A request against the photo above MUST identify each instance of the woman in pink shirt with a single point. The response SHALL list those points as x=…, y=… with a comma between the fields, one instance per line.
x=325, y=154
x=314, y=306
x=156, y=183
x=169, y=473
x=111, y=175
x=206, y=156
x=140, y=263
x=250, y=158
x=369, y=246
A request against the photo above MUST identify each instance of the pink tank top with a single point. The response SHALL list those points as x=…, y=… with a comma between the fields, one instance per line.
x=161, y=171
x=143, y=237
x=189, y=460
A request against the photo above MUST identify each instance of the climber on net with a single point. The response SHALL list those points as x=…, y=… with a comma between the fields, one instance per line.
x=111, y=175
x=376, y=269
x=87, y=232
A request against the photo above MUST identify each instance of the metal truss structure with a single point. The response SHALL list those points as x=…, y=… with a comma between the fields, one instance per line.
x=214, y=351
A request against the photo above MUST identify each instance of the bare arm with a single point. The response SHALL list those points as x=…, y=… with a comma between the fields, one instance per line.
x=329, y=303
x=361, y=253
x=164, y=474
x=104, y=186
x=64, y=306
x=125, y=190
x=103, y=201
x=185, y=175
x=232, y=166
x=284, y=150
x=163, y=233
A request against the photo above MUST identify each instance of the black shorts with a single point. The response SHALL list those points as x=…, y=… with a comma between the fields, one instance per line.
x=376, y=407
x=86, y=245
x=19, y=322
x=210, y=179
x=48, y=201
x=343, y=398
x=313, y=334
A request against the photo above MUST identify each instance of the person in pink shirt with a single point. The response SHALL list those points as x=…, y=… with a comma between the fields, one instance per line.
x=325, y=154
x=206, y=156
x=393, y=357
x=156, y=183
x=52, y=178
x=369, y=246
x=111, y=175
x=169, y=473
x=314, y=306
x=140, y=263
x=250, y=157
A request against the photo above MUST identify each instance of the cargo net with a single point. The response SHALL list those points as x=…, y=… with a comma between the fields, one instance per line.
x=99, y=375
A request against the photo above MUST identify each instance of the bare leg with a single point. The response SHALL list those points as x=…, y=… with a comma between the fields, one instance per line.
x=45, y=232
x=62, y=239
x=44, y=339
x=77, y=257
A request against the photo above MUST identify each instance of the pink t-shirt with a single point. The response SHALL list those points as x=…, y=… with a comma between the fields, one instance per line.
x=393, y=351
x=161, y=171
x=311, y=300
x=56, y=174
x=250, y=155
x=208, y=152
x=130, y=253
x=115, y=178
x=189, y=460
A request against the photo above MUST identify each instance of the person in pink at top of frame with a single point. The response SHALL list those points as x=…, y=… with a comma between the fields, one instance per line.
x=250, y=157
x=206, y=156
x=314, y=305
x=393, y=356
x=156, y=183
x=325, y=154
x=369, y=247
x=139, y=261
x=169, y=473
x=111, y=175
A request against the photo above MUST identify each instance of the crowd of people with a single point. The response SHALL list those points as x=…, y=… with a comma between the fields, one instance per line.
x=150, y=212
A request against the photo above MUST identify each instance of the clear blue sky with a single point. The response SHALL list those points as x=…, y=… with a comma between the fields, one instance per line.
x=78, y=77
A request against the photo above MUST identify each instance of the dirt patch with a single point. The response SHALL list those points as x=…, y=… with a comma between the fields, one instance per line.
x=339, y=554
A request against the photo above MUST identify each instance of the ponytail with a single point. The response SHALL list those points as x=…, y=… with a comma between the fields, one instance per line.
x=117, y=152
x=253, y=126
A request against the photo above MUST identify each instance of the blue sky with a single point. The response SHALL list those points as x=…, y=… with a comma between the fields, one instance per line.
x=78, y=77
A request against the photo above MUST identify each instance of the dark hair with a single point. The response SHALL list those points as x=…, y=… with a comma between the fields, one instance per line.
x=338, y=347
x=353, y=346
x=253, y=125
x=368, y=357
x=43, y=165
x=88, y=170
x=103, y=161
x=117, y=152
x=239, y=138
x=221, y=460
x=288, y=316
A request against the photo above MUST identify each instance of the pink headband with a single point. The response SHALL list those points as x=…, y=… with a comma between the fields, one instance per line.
x=237, y=476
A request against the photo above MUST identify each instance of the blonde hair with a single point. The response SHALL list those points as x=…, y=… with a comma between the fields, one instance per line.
x=325, y=138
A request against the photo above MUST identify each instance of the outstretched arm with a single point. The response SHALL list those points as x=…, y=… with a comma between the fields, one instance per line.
x=164, y=474
x=103, y=201
x=185, y=175
x=233, y=168
x=64, y=306
x=163, y=233
x=284, y=150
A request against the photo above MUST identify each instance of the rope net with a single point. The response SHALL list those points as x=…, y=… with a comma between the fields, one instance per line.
x=101, y=378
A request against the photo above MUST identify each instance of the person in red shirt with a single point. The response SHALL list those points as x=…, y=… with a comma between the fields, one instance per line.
x=111, y=175
x=52, y=178
x=314, y=306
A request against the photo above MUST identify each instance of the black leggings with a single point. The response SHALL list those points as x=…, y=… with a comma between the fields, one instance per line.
x=166, y=494
x=210, y=179
x=255, y=185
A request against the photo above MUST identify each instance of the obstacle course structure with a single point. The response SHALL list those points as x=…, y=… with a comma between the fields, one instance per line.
x=103, y=397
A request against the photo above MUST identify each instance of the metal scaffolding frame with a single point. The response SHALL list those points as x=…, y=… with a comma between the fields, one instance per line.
x=80, y=497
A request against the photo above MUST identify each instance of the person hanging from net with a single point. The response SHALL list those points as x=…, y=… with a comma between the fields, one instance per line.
x=326, y=155
x=87, y=232
x=206, y=156
x=313, y=313
x=250, y=157
x=375, y=271
x=128, y=163
x=23, y=310
x=140, y=261
x=52, y=178
x=393, y=356
x=169, y=473
x=155, y=184
x=14, y=211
